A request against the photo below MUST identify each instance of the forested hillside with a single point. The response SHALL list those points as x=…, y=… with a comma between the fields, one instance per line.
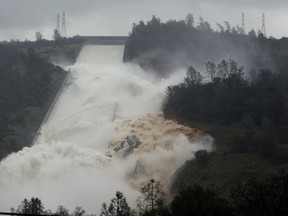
x=28, y=85
x=164, y=47
x=235, y=89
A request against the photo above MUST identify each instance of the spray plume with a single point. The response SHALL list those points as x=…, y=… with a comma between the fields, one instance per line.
x=76, y=159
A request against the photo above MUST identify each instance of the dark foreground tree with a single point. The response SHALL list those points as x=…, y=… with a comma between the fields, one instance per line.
x=79, y=211
x=62, y=211
x=152, y=201
x=199, y=201
x=254, y=198
x=117, y=207
x=33, y=206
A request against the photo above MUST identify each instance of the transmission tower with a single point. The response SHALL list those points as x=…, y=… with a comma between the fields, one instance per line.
x=63, y=30
x=243, y=24
x=58, y=24
x=263, y=25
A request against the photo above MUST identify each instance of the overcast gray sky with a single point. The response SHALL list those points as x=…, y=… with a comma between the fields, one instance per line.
x=20, y=19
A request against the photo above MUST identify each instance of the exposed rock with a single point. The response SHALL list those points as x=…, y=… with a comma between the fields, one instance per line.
x=126, y=147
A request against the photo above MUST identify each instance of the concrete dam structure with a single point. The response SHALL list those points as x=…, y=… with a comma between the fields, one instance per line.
x=103, y=40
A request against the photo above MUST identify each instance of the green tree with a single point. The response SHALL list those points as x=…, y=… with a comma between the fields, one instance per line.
x=152, y=201
x=199, y=201
x=189, y=20
x=253, y=198
x=203, y=25
x=117, y=207
x=38, y=36
x=33, y=206
x=252, y=33
x=104, y=210
x=62, y=211
x=79, y=211
x=193, y=77
x=220, y=27
x=260, y=35
x=228, y=27
x=56, y=35
x=211, y=70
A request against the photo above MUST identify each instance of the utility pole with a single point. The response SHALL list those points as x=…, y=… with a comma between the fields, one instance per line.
x=263, y=25
x=63, y=30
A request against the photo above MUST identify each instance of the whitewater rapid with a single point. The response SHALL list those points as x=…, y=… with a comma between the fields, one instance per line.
x=73, y=161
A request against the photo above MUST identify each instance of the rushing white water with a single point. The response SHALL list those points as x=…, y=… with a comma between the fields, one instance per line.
x=74, y=162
